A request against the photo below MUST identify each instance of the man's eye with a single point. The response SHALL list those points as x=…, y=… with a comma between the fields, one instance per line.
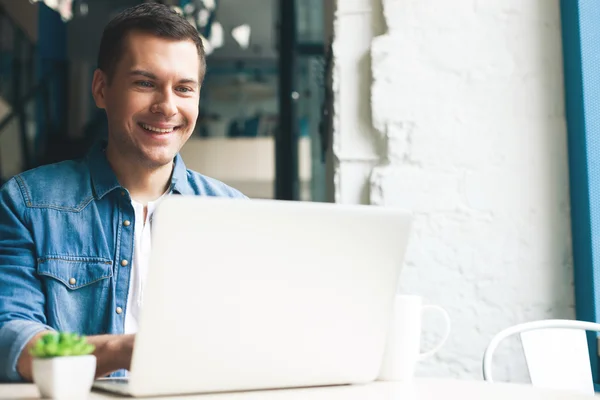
x=184, y=89
x=145, y=84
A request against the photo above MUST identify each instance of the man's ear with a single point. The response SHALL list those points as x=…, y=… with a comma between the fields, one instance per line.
x=99, y=84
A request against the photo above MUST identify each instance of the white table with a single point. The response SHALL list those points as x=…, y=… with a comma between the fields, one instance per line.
x=420, y=389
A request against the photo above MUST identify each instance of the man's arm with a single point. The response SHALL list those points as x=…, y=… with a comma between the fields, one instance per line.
x=113, y=352
x=22, y=301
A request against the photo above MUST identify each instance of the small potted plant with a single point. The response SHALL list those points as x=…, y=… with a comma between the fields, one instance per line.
x=63, y=366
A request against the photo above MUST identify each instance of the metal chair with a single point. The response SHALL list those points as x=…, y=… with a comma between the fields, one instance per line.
x=556, y=352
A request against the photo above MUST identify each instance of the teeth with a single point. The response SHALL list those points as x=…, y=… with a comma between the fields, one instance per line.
x=153, y=129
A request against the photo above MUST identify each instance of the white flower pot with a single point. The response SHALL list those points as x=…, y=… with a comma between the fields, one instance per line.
x=64, y=377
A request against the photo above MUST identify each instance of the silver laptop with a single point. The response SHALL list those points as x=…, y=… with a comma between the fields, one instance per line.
x=262, y=294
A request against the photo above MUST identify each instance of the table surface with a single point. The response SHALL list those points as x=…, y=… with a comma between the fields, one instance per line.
x=419, y=389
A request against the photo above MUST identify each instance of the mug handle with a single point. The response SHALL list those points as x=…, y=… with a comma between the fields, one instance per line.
x=446, y=334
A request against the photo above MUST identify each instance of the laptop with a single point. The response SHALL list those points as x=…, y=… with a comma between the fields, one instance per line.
x=264, y=294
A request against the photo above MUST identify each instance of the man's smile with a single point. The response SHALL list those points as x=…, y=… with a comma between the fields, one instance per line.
x=159, y=128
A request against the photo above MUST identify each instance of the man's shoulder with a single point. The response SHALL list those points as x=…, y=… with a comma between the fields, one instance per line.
x=207, y=186
x=63, y=185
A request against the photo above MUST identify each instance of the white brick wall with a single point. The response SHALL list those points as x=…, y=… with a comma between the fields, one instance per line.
x=454, y=109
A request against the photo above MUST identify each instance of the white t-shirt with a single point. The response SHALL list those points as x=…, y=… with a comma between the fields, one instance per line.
x=142, y=241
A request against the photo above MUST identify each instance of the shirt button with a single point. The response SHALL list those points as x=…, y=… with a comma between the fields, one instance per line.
x=124, y=263
x=122, y=193
x=119, y=310
x=72, y=281
x=126, y=223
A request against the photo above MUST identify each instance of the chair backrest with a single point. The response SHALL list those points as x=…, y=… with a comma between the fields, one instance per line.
x=556, y=352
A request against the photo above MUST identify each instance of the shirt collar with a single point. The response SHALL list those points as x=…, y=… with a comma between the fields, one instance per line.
x=180, y=183
x=104, y=179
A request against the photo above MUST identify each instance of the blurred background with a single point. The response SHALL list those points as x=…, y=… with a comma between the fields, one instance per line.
x=260, y=126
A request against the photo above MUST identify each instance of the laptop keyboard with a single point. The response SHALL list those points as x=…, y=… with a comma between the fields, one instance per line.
x=121, y=381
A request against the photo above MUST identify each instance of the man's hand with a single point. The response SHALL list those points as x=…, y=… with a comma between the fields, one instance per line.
x=113, y=352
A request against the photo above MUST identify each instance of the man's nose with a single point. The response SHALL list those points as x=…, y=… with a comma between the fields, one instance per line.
x=165, y=104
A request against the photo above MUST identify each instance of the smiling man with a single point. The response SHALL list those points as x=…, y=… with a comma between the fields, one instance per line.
x=75, y=236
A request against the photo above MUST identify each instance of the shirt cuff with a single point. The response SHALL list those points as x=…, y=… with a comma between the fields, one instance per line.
x=14, y=336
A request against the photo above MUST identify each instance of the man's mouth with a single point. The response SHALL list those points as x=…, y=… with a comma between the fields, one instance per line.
x=155, y=129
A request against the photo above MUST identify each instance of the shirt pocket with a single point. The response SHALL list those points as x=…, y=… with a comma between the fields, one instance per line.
x=76, y=272
x=77, y=292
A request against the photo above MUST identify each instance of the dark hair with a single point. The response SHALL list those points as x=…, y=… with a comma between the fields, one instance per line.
x=154, y=18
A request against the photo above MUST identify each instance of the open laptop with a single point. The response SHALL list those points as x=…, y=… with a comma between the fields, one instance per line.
x=264, y=294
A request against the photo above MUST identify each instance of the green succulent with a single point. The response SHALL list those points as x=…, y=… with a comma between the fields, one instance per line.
x=61, y=344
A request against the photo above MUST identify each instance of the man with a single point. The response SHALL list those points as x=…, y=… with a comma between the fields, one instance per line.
x=75, y=236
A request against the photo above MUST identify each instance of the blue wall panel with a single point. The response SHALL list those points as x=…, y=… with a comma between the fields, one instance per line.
x=581, y=48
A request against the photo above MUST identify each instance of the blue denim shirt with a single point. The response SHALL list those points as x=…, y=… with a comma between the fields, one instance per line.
x=62, y=240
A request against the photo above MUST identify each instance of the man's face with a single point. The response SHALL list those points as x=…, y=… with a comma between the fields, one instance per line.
x=152, y=100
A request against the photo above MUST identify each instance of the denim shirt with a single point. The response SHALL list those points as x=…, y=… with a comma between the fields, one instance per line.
x=63, y=240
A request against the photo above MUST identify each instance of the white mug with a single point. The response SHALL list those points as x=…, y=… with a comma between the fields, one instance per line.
x=403, y=346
